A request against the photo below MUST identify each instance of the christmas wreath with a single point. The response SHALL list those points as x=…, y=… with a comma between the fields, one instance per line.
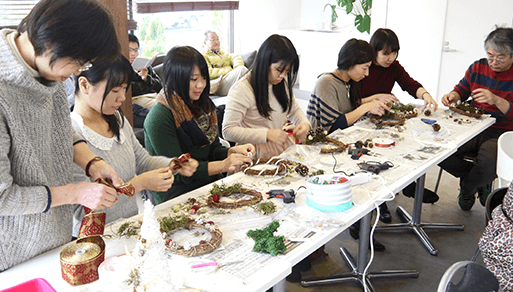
x=466, y=109
x=187, y=249
x=319, y=135
x=214, y=200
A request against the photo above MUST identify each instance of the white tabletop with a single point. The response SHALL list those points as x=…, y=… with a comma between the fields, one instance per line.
x=416, y=150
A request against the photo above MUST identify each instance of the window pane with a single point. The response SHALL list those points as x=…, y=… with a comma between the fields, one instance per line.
x=159, y=32
x=13, y=11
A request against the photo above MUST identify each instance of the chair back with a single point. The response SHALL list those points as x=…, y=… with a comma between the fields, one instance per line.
x=505, y=159
x=475, y=278
x=494, y=199
x=158, y=60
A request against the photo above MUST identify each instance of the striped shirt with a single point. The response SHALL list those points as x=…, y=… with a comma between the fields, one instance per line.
x=480, y=75
x=329, y=102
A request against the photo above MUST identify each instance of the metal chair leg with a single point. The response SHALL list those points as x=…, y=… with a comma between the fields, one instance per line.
x=476, y=254
x=438, y=179
x=413, y=222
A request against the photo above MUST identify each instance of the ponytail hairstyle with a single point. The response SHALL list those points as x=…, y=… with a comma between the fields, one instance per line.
x=354, y=52
x=117, y=72
x=275, y=49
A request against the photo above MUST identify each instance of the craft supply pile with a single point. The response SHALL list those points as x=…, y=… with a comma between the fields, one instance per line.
x=257, y=211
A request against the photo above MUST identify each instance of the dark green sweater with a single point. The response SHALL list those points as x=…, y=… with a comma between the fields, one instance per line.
x=161, y=138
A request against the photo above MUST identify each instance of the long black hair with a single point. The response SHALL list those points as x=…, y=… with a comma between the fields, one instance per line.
x=116, y=72
x=178, y=69
x=275, y=49
x=80, y=29
x=354, y=52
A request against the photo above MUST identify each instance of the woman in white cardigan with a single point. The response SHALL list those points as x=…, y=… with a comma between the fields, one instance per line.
x=97, y=118
x=261, y=104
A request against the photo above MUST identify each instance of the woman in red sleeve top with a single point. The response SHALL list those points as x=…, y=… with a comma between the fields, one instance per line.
x=384, y=72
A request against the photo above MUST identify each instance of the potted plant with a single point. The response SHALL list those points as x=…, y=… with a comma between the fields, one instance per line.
x=359, y=8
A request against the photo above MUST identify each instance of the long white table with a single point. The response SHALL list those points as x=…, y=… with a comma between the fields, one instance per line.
x=412, y=156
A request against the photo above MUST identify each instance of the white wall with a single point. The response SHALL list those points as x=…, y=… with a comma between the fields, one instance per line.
x=419, y=25
x=257, y=20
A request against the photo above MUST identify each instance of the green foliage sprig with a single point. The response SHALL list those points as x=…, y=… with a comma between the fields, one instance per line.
x=265, y=241
x=127, y=229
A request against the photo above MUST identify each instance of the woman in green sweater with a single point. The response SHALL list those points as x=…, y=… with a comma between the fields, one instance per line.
x=185, y=120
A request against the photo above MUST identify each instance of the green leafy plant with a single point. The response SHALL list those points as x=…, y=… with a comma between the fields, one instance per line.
x=361, y=12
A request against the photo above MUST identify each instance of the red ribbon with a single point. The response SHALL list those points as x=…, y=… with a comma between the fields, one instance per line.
x=292, y=133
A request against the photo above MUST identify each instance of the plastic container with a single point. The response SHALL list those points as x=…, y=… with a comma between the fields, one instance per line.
x=334, y=197
x=34, y=285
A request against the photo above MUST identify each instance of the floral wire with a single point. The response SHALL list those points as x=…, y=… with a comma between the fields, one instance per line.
x=335, y=165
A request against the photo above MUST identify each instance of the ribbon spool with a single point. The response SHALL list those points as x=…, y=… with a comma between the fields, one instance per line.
x=383, y=143
x=80, y=261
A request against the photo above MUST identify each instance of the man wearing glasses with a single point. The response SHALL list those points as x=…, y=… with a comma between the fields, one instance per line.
x=489, y=81
x=145, y=86
x=224, y=69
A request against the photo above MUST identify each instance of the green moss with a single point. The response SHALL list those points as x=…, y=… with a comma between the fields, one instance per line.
x=223, y=190
x=317, y=172
x=171, y=223
x=466, y=107
x=266, y=208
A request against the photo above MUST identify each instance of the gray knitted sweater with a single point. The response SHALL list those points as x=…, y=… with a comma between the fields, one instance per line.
x=36, y=141
x=126, y=156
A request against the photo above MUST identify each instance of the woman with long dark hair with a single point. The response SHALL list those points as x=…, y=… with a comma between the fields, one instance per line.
x=336, y=101
x=185, y=121
x=260, y=104
x=98, y=119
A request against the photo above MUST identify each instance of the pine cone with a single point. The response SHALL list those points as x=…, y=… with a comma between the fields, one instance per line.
x=436, y=127
x=319, y=131
x=302, y=169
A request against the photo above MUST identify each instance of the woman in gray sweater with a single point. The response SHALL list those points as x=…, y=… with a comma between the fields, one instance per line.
x=37, y=145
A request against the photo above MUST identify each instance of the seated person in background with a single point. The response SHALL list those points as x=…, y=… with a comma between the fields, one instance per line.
x=384, y=72
x=224, y=69
x=98, y=119
x=260, y=104
x=148, y=81
x=496, y=242
x=489, y=81
x=185, y=120
x=145, y=85
x=336, y=101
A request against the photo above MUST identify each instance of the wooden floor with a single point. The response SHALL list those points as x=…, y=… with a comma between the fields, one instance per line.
x=404, y=250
